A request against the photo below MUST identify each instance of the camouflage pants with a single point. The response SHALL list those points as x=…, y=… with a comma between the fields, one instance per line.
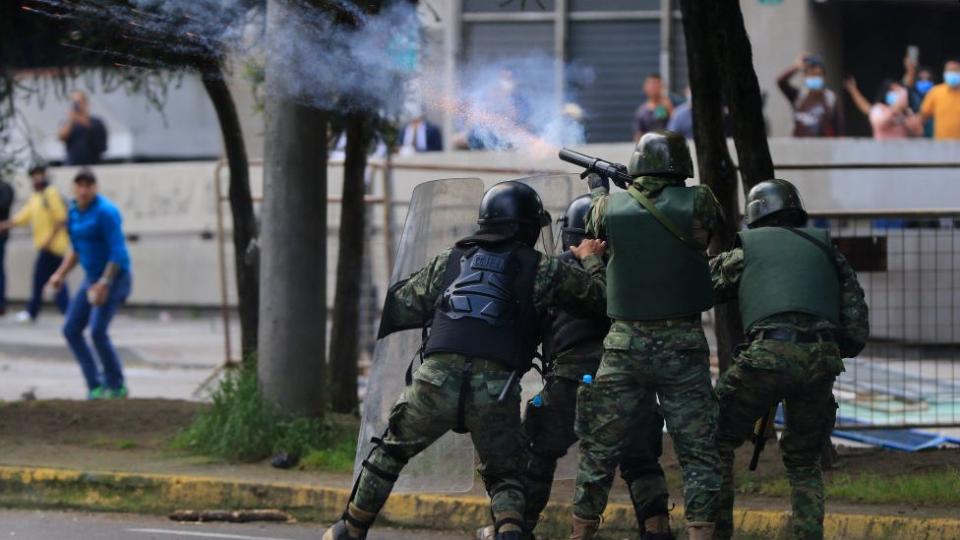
x=549, y=429
x=428, y=409
x=802, y=375
x=642, y=362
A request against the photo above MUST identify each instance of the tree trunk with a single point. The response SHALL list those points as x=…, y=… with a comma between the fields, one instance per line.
x=344, y=334
x=742, y=92
x=245, y=254
x=713, y=158
x=293, y=310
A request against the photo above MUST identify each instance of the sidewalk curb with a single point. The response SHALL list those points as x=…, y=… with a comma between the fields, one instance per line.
x=155, y=493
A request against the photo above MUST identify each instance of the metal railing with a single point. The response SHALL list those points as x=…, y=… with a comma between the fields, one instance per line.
x=908, y=262
x=381, y=172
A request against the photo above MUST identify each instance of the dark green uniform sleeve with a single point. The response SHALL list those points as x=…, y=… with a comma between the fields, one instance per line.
x=854, y=314
x=410, y=302
x=725, y=271
x=598, y=209
x=580, y=292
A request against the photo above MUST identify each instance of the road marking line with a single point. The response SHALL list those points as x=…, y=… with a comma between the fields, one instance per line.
x=204, y=534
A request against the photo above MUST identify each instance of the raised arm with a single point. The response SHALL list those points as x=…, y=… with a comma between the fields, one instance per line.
x=862, y=103
x=410, y=302
x=581, y=292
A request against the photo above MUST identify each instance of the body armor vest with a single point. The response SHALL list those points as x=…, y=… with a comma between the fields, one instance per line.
x=486, y=309
x=568, y=331
x=652, y=274
x=784, y=272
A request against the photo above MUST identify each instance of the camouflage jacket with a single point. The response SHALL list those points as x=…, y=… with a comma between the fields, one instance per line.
x=581, y=292
x=727, y=268
x=706, y=209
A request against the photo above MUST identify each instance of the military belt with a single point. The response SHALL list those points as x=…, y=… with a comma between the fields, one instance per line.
x=679, y=321
x=783, y=334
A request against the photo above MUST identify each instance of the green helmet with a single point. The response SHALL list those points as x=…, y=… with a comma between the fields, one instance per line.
x=661, y=153
x=773, y=197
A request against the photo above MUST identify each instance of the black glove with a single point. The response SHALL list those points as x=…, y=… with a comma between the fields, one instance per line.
x=594, y=180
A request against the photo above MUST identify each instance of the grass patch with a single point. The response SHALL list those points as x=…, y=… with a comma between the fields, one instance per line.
x=941, y=488
x=338, y=457
x=242, y=426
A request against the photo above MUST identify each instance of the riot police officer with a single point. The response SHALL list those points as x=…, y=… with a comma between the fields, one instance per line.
x=575, y=345
x=658, y=284
x=803, y=310
x=484, y=300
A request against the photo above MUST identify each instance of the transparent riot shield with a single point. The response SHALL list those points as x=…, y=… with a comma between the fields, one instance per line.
x=556, y=192
x=441, y=212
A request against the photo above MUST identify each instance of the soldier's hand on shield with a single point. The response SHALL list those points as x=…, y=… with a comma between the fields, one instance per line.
x=589, y=246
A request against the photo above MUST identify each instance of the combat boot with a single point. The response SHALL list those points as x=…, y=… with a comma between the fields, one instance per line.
x=657, y=528
x=489, y=533
x=700, y=530
x=353, y=525
x=584, y=529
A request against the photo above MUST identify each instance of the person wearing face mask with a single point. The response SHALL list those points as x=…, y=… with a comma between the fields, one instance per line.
x=890, y=115
x=942, y=103
x=816, y=109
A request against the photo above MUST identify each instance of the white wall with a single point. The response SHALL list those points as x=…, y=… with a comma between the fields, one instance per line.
x=170, y=206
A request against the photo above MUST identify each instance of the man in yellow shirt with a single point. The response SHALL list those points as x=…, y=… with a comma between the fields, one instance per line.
x=942, y=103
x=46, y=214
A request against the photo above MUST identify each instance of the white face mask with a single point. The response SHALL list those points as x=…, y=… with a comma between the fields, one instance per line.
x=952, y=78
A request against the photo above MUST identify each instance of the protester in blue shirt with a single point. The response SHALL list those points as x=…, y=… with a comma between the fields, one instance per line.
x=94, y=224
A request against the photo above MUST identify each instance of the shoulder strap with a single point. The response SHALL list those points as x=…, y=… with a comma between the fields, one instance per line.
x=662, y=218
x=827, y=250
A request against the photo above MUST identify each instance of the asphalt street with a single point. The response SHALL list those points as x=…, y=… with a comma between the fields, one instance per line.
x=44, y=525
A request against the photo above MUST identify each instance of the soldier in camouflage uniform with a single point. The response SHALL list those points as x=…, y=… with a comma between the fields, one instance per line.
x=575, y=346
x=803, y=310
x=484, y=300
x=658, y=285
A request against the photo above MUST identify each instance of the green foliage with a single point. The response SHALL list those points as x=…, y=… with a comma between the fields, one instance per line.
x=241, y=425
x=338, y=458
x=940, y=488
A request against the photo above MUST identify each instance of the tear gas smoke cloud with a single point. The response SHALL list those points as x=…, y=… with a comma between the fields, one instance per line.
x=375, y=65
x=512, y=103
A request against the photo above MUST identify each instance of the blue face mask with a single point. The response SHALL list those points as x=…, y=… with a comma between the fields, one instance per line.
x=892, y=98
x=924, y=86
x=816, y=83
x=952, y=78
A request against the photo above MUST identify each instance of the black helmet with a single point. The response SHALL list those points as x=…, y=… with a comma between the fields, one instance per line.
x=661, y=153
x=775, y=197
x=513, y=208
x=512, y=202
x=575, y=222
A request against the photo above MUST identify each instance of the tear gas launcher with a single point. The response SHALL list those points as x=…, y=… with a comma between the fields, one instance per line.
x=616, y=172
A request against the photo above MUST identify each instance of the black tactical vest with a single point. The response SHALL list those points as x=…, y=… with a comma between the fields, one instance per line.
x=486, y=309
x=568, y=331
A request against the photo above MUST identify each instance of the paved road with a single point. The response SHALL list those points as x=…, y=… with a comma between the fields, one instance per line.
x=43, y=525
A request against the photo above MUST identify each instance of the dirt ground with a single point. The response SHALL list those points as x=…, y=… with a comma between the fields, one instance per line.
x=133, y=436
x=135, y=423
